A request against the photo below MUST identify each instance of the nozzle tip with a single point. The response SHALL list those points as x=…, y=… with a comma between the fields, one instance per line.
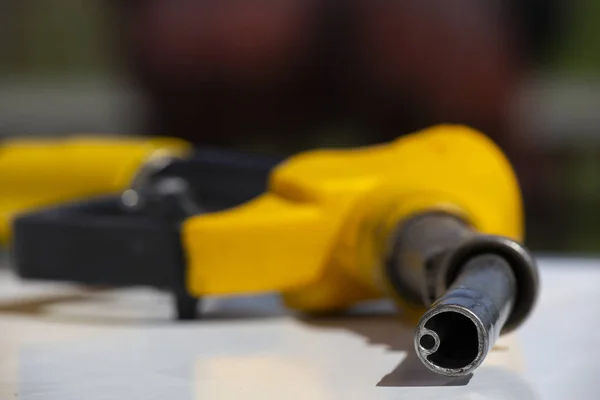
x=451, y=340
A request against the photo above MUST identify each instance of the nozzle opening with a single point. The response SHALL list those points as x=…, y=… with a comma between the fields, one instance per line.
x=459, y=342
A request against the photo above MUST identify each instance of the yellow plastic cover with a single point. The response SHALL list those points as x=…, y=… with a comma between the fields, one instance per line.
x=319, y=235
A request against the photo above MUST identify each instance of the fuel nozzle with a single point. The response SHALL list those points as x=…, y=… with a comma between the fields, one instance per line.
x=476, y=287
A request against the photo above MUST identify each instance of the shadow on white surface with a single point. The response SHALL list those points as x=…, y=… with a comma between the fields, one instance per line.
x=36, y=305
x=412, y=373
x=492, y=380
x=391, y=332
x=133, y=307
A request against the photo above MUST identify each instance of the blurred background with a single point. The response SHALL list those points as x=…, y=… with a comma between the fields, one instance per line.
x=282, y=76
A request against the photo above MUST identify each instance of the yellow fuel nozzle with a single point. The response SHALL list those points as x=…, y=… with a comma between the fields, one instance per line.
x=42, y=172
x=321, y=232
x=432, y=220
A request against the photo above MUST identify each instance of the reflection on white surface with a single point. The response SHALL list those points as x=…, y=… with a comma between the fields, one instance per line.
x=121, y=345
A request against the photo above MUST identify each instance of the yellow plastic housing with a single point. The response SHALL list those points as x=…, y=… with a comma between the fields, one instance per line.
x=41, y=172
x=320, y=234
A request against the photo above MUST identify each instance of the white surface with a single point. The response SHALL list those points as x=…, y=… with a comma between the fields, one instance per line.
x=58, y=342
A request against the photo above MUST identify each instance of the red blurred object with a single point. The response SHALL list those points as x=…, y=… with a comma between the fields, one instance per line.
x=235, y=73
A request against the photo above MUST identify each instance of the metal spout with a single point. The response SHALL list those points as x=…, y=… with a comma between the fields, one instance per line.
x=475, y=287
x=455, y=335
